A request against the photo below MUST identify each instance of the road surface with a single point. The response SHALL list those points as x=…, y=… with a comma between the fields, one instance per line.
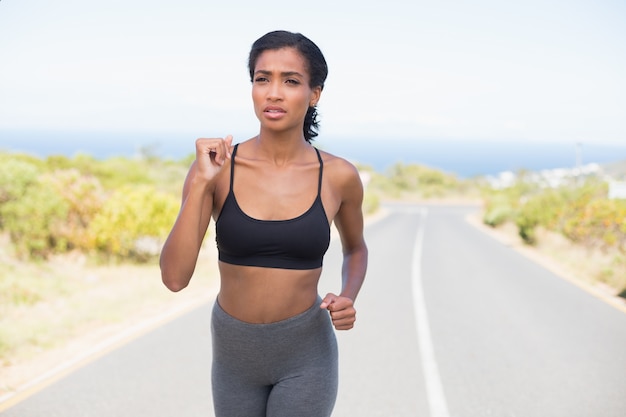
x=451, y=323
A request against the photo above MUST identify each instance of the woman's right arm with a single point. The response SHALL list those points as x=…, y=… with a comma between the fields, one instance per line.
x=181, y=249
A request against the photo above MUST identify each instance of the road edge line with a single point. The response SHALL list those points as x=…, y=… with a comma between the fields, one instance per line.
x=434, y=387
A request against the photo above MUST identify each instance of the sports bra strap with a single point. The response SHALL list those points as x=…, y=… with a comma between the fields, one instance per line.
x=319, y=183
x=232, y=165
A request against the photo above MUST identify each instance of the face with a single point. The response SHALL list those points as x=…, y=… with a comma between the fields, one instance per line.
x=280, y=90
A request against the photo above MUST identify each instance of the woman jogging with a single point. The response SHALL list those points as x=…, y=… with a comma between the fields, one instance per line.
x=273, y=198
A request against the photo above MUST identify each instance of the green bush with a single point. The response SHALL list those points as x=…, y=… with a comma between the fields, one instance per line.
x=600, y=223
x=133, y=223
x=117, y=172
x=542, y=209
x=16, y=176
x=581, y=212
x=51, y=213
x=84, y=196
x=35, y=220
x=417, y=181
x=497, y=215
x=416, y=177
x=500, y=206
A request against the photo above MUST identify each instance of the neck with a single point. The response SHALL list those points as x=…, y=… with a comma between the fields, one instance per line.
x=281, y=149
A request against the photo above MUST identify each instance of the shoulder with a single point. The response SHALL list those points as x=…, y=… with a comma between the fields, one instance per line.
x=340, y=171
x=338, y=166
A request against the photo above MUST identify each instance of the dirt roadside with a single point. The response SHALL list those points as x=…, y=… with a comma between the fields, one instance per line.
x=554, y=254
x=116, y=304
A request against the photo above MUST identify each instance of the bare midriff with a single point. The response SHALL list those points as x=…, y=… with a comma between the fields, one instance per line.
x=266, y=295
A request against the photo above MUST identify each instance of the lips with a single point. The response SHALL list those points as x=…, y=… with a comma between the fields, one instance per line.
x=273, y=109
x=274, y=112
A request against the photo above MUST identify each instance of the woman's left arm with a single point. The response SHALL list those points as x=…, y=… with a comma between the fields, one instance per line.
x=349, y=223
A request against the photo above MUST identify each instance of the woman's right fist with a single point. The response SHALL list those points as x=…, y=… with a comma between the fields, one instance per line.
x=211, y=153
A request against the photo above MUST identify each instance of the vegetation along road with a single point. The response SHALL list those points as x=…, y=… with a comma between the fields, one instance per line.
x=451, y=323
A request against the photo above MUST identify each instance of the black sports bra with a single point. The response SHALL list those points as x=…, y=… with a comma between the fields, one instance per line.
x=298, y=243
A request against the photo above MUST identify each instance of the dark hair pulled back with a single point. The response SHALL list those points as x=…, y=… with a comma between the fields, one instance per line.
x=313, y=57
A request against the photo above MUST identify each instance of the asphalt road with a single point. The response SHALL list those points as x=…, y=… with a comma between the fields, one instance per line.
x=451, y=323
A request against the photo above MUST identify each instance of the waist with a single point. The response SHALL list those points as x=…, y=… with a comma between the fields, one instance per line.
x=266, y=295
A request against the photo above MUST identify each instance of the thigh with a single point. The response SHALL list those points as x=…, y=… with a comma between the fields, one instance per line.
x=288, y=368
x=311, y=394
x=235, y=397
x=308, y=389
x=238, y=383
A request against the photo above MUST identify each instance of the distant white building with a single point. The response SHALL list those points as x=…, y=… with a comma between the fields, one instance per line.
x=617, y=189
x=502, y=180
x=550, y=178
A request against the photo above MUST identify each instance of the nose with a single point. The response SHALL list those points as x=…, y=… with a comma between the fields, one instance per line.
x=274, y=91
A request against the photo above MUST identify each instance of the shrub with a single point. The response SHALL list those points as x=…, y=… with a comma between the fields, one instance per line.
x=416, y=177
x=117, y=172
x=35, y=220
x=133, y=223
x=601, y=223
x=420, y=182
x=542, y=209
x=498, y=215
x=499, y=209
x=16, y=176
x=84, y=196
x=52, y=212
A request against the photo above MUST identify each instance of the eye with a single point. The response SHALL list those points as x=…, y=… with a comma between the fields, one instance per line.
x=260, y=79
x=292, y=81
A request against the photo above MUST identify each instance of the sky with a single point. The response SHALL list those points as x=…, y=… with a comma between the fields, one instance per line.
x=536, y=70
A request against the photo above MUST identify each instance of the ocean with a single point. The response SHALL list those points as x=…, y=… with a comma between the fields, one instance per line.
x=464, y=158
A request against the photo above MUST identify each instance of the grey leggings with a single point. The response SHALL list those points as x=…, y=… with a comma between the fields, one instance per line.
x=287, y=368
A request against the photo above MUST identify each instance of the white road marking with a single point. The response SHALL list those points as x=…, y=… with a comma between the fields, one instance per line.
x=434, y=389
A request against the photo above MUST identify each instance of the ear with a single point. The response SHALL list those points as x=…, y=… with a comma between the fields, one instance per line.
x=315, y=96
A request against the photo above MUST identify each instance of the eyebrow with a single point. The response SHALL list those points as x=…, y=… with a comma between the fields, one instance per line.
x=283, y=74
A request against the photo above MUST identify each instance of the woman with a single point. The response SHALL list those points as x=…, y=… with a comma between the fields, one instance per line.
x=273, y=198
